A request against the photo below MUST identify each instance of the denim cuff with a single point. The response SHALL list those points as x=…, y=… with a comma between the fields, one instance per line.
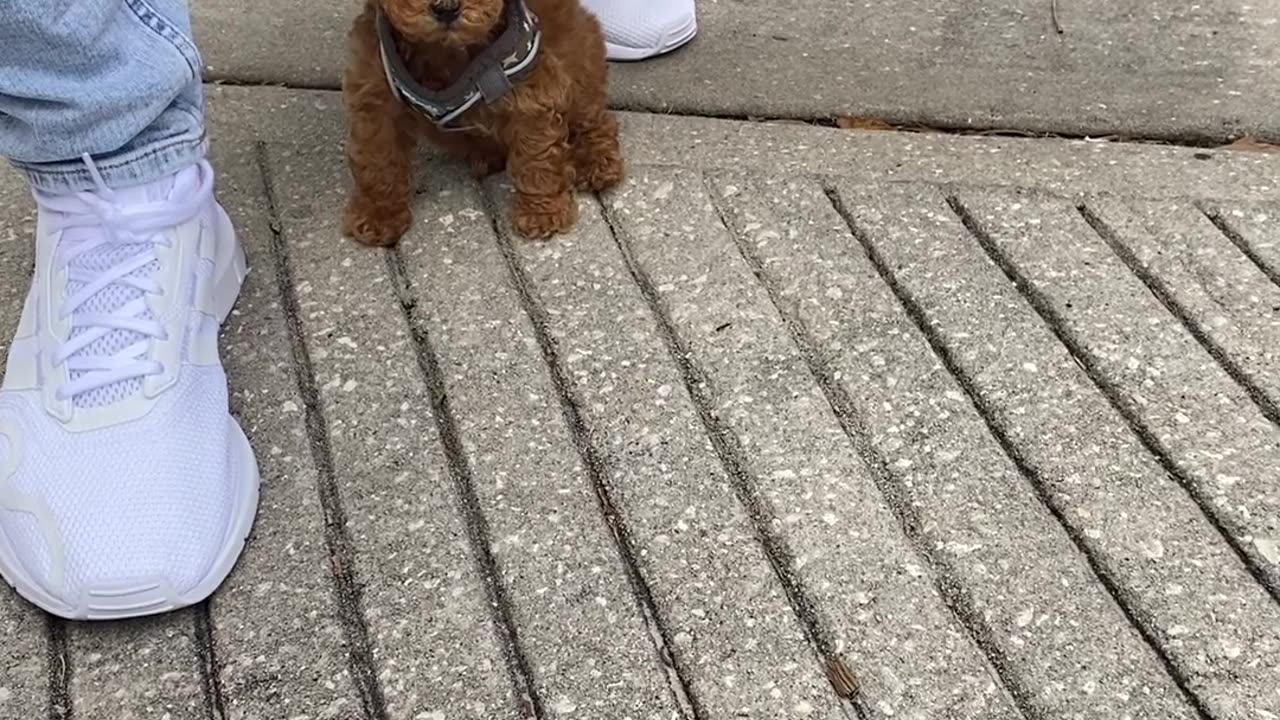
x=135, y=167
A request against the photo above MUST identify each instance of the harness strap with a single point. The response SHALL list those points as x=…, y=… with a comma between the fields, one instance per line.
x=488, y=77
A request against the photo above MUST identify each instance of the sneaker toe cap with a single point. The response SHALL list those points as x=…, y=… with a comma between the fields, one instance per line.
x=648, y=26
x=115, y=525
x=132, y=553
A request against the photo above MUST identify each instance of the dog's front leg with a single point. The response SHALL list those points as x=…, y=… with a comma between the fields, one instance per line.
x=379, y=151
x=380, y=147
x=541, y=171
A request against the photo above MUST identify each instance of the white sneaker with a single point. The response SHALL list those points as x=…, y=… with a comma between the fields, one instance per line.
x=126, y=488
x=640, y=29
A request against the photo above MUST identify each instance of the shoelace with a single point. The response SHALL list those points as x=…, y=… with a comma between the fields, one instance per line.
x=90, y=221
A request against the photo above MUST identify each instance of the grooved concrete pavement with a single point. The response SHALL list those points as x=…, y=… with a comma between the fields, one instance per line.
x=986, y=424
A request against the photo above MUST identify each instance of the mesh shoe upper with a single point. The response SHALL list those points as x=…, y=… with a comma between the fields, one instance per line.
x=145, y=499
x=109, y=300
x=642, y=24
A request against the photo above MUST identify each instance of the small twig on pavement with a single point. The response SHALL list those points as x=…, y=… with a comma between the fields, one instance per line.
x=1053, y=14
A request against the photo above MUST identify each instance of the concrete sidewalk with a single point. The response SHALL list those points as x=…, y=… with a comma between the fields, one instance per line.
x=799, y=422
x=1135, y=68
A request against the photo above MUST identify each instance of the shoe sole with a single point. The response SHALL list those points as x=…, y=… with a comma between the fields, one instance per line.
x=673, y=40
x=140, y=597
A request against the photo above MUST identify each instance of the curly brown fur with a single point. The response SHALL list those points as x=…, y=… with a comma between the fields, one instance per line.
x=552, y=133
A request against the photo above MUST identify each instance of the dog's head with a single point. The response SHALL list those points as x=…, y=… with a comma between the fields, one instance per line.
x=444, y=22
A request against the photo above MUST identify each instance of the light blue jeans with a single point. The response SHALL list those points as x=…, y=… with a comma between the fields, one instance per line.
x=118, y=80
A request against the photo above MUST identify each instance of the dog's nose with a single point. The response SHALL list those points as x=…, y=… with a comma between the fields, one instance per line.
x=445, y=12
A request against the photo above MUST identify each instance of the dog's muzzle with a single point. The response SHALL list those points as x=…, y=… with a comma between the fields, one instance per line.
x=488, y=77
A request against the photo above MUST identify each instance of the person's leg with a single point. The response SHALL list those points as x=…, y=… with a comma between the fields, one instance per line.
x=126, y=488
x=641, y=29
x=118, y=80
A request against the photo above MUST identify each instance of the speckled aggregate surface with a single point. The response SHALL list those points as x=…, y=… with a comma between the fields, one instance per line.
x=796, y=423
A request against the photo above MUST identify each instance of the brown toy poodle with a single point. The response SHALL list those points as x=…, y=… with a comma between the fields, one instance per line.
x=545, y=121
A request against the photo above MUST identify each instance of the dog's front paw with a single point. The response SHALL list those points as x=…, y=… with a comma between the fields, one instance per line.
x=540, y=218
x=600, y=171
x=378, y=225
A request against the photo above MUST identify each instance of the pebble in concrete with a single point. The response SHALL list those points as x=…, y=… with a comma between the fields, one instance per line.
x=732, y=632
x=24, y=686
x=1208, y=425
x=1205, y=279
x=587, y=644
x=434, y=647
x=871, y=591
x=290, y=661
x=136, y=669
x=1170, y=567
x=1066, y=646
